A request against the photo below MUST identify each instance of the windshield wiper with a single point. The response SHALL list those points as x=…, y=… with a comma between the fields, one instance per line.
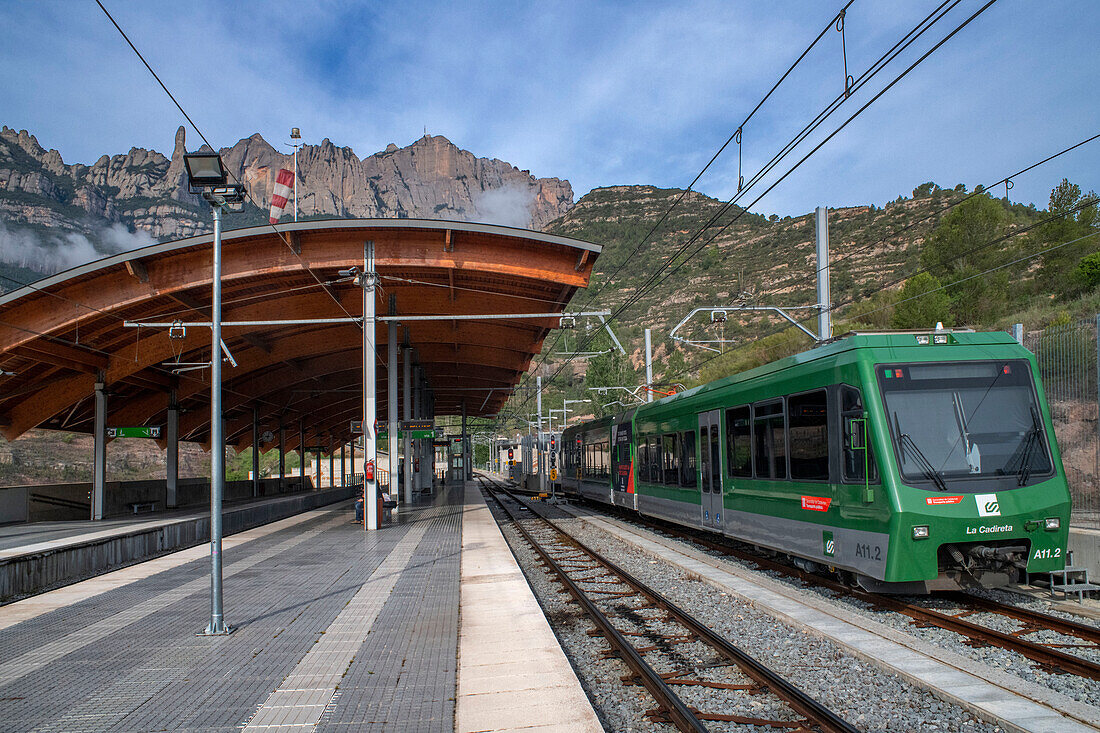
x=921, y=460
x=1027, y=450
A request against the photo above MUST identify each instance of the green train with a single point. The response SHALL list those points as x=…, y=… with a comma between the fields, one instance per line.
x=906, y=462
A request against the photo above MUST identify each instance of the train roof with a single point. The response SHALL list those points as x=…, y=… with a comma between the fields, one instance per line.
x=853, y=341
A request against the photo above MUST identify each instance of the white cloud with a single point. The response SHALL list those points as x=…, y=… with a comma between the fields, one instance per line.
x=53, y=252
x=508, y=206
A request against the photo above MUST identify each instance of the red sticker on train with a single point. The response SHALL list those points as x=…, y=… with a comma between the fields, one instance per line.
x=816, y=503
x=934, y=500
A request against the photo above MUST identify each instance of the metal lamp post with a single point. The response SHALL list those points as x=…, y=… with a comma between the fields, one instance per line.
x=206, y=175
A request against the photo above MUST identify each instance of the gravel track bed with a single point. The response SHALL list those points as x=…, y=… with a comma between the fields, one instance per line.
x=1079, y=688
x=857, y=691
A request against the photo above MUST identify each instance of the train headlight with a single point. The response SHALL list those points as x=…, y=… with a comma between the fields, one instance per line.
x=922, y=340
x=939, y=338
x=920, y=532
x=1052, y=524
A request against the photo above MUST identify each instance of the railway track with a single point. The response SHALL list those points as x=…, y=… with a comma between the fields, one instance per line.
x=1048, y=656
x=647, y=631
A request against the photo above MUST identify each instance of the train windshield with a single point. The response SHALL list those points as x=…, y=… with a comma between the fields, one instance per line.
x=954, y=422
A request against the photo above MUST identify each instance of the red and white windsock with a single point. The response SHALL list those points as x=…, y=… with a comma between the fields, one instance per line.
x=284, y=183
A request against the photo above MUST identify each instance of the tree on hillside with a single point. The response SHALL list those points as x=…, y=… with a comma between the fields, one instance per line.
x=921, y=304
x=960, y=251
x=1058, y=265
x=611, y=369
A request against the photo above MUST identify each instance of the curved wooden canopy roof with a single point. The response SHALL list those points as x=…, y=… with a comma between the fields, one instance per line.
x=62, y=334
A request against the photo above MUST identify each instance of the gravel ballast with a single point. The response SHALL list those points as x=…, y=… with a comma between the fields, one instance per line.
x=857, y=691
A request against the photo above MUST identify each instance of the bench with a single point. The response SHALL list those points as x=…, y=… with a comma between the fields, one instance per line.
x=142, y=506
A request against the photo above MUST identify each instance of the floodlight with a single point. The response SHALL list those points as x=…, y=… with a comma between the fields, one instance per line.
x=203, y=170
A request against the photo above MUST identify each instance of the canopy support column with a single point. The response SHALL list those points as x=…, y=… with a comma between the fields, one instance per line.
x=172, y=438
x=255, y=452
x=99, y=449
x=406, y=388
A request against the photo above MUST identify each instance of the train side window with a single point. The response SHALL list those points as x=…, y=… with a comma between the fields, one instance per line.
x=704, y=458
x=643, y=460
x=670, y=454
x=688, y=475
x=854, y=430
x=738, y=442
x=808, y=433
x=769, y=440
x=605, y=459
x=654, y=459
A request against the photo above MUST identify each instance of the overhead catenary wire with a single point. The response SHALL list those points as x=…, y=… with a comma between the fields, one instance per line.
x=978, y=191
x=736, y=134
x=925, y=24
x=875, y=68
x=657, y=279
x=1015, y=233
x=248, y=193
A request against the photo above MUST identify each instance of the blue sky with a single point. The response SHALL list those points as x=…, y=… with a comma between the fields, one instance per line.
x=598, y=93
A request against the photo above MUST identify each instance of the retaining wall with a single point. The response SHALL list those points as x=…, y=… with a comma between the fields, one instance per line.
x=72, y=501
x=26, y=575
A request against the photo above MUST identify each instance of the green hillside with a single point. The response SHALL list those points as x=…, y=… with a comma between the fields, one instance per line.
x=938, y=255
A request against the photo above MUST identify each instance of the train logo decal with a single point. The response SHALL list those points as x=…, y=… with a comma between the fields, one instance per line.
x=937, y=500
x=828, y=544
x=816, y=503
x=987, y=505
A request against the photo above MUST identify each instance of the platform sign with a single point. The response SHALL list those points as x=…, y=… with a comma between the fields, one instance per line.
x=357, y=427
x=414, y=434
x=150, y=431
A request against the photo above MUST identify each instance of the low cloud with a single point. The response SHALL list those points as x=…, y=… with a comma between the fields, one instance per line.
x=508, y=206
x=48, y=252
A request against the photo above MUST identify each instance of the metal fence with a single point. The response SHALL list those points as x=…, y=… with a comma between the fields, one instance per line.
x=1068, y=367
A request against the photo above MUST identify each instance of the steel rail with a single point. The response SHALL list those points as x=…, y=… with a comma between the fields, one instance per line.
x=680, y=715
x=814, y=713
x=1045, y=656
x=1036, y=619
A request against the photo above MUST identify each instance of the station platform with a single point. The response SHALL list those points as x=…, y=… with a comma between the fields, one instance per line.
x=424, y=625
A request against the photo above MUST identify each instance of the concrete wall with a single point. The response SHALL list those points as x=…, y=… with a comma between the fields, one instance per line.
x=13, y=504
x=1085, y=546
x=26, y=575
x=67, y=502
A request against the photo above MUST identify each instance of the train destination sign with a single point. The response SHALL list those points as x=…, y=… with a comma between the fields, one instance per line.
x=149, y=431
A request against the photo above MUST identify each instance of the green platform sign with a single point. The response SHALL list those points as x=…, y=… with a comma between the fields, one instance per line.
x=138, y=432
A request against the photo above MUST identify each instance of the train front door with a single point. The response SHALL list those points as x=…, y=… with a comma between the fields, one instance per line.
x=710, y=470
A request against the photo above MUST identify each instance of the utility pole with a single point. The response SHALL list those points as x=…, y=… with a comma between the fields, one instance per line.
x=824, y=316
x=648, y=367
x=538, y=438
x=295, y=134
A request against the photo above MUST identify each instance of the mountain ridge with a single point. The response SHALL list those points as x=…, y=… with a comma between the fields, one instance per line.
x=146, y=190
